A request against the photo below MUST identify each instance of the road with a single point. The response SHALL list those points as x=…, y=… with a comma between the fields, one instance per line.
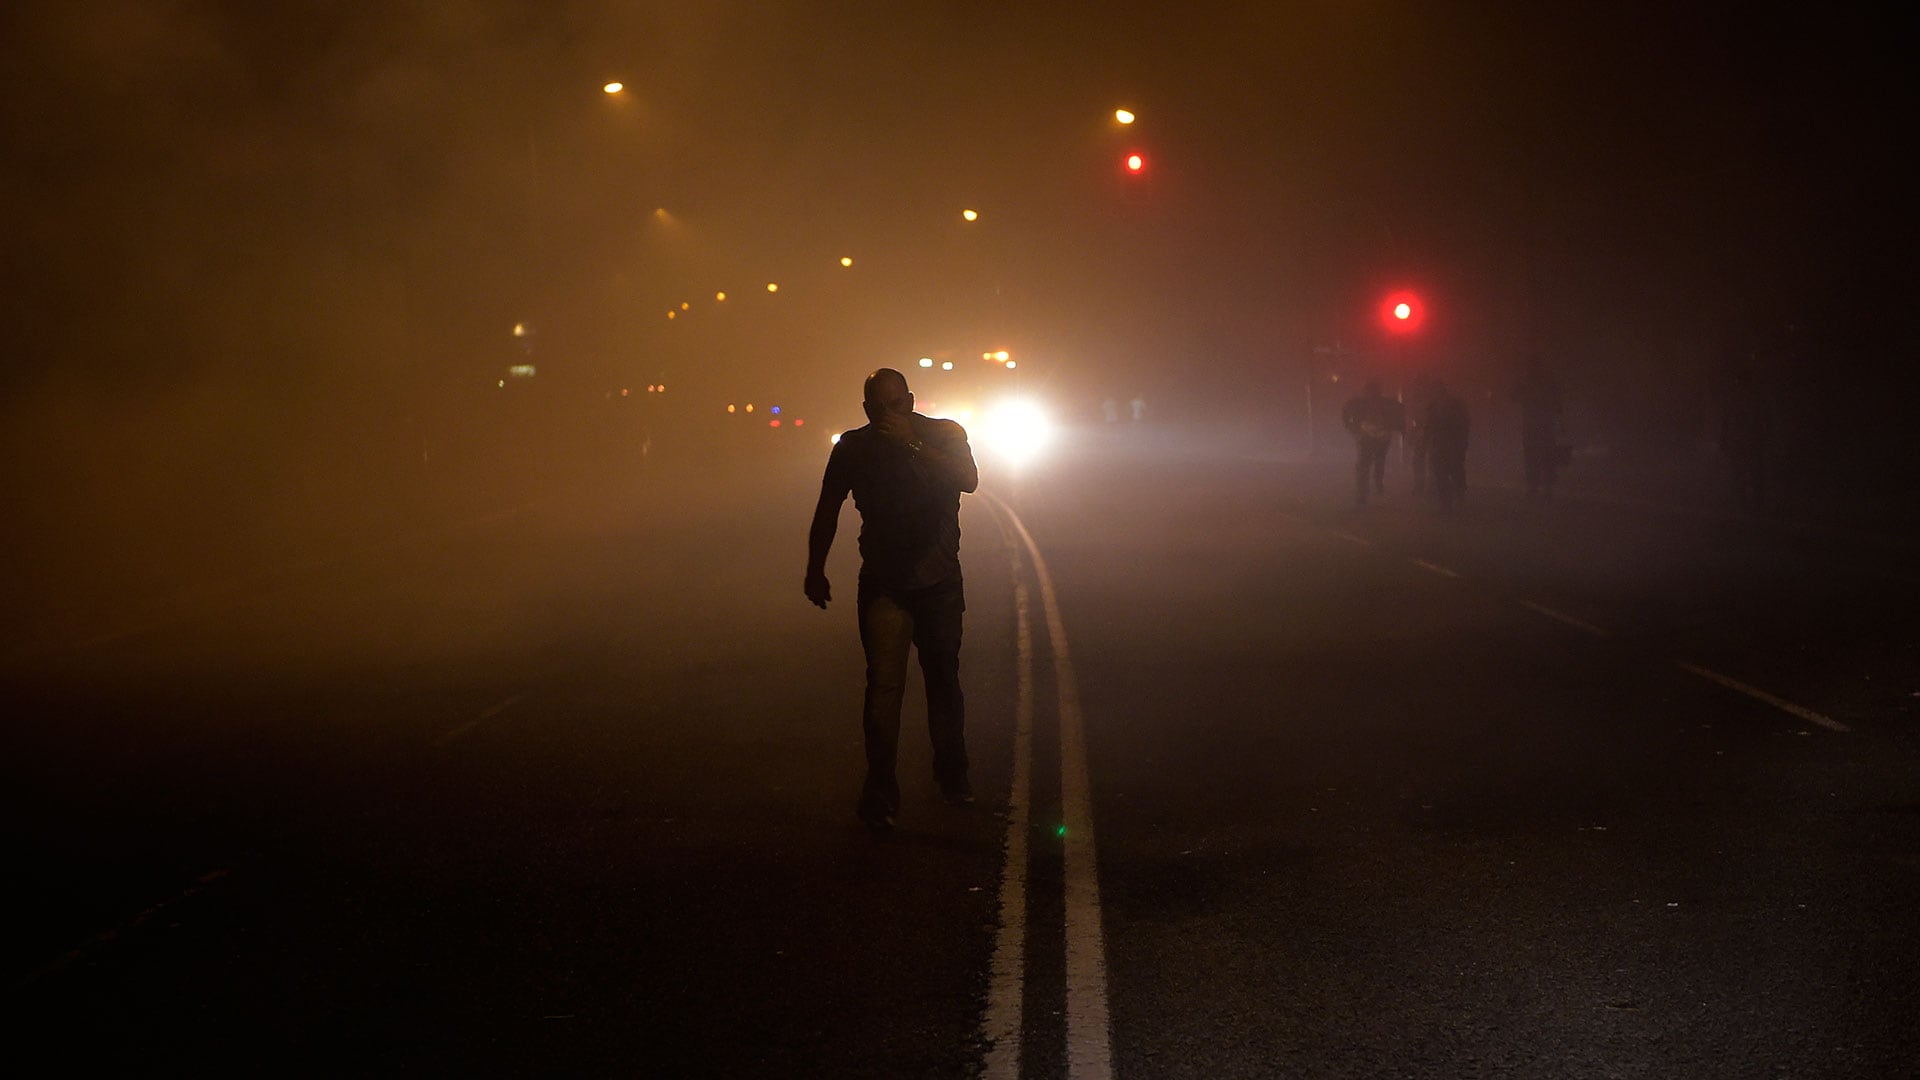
x=1580, y=789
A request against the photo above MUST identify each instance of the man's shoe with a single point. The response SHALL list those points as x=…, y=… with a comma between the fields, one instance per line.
x=876, y=814
x=878, y=822
x=957, y=794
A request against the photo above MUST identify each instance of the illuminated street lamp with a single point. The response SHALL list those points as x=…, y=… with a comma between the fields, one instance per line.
x=926, y=361
x=720, y=296
x=1001, y=356
x=970, y=215
x=1122, y=116
x=947, y=366
x=773, y=287
x=846, y=260
x=1011, y=364
x=614, y=88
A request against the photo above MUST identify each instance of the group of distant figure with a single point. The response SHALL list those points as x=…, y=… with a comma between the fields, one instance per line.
x=1436, y=437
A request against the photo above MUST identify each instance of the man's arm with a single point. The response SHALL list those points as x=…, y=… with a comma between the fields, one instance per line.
x=826, y=522
x=948, y=458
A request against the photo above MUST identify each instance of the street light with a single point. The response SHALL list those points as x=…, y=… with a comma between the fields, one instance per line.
x=1122, y=116
x=970, y=215
x=614, y=88
x=772, y=287
x=846, y=260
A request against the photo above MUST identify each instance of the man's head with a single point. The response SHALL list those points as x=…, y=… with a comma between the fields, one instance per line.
x=885, y=391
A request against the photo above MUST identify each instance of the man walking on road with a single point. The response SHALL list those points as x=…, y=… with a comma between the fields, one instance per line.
x=906, y=473
x=1372, y=418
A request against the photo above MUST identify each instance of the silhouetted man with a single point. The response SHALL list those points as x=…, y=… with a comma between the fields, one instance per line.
x=1372, y=418
x=1447, y=425
x=906, y=474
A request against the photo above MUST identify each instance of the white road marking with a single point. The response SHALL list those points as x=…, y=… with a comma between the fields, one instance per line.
x=1001, y=1025
x=1089, y=1026
x=108, y=937
x=1561, y=616
x=486, y=714
x=1708, y=674
x=1758, y=694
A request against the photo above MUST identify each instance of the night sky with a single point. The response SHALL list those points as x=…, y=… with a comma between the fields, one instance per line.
x=333, y=214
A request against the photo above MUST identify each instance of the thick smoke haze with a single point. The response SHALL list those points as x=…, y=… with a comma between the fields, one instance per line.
x=266, y=259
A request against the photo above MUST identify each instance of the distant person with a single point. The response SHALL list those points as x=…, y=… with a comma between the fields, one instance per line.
x=1372, y=419
x=906, y=473
x=1538, y=394
x=1746, y=434
x=1447, y=425
x=1417, y=443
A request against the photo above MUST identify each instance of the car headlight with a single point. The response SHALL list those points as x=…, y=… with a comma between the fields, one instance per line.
x=1017, y=430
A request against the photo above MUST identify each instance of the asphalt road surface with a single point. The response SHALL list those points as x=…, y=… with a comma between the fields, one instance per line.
x=1291, y=790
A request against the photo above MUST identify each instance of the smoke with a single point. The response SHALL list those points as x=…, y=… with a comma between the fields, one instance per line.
x=265, y=259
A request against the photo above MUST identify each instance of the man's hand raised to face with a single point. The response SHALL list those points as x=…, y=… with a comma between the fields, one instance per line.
x=895, y=426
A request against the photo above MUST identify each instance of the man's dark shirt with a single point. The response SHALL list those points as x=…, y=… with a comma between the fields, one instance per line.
x=1371, y=417
x=909, y=515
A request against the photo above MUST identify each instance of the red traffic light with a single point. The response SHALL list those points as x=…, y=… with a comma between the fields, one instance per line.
x=1135, y=163
x=1402, y=312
